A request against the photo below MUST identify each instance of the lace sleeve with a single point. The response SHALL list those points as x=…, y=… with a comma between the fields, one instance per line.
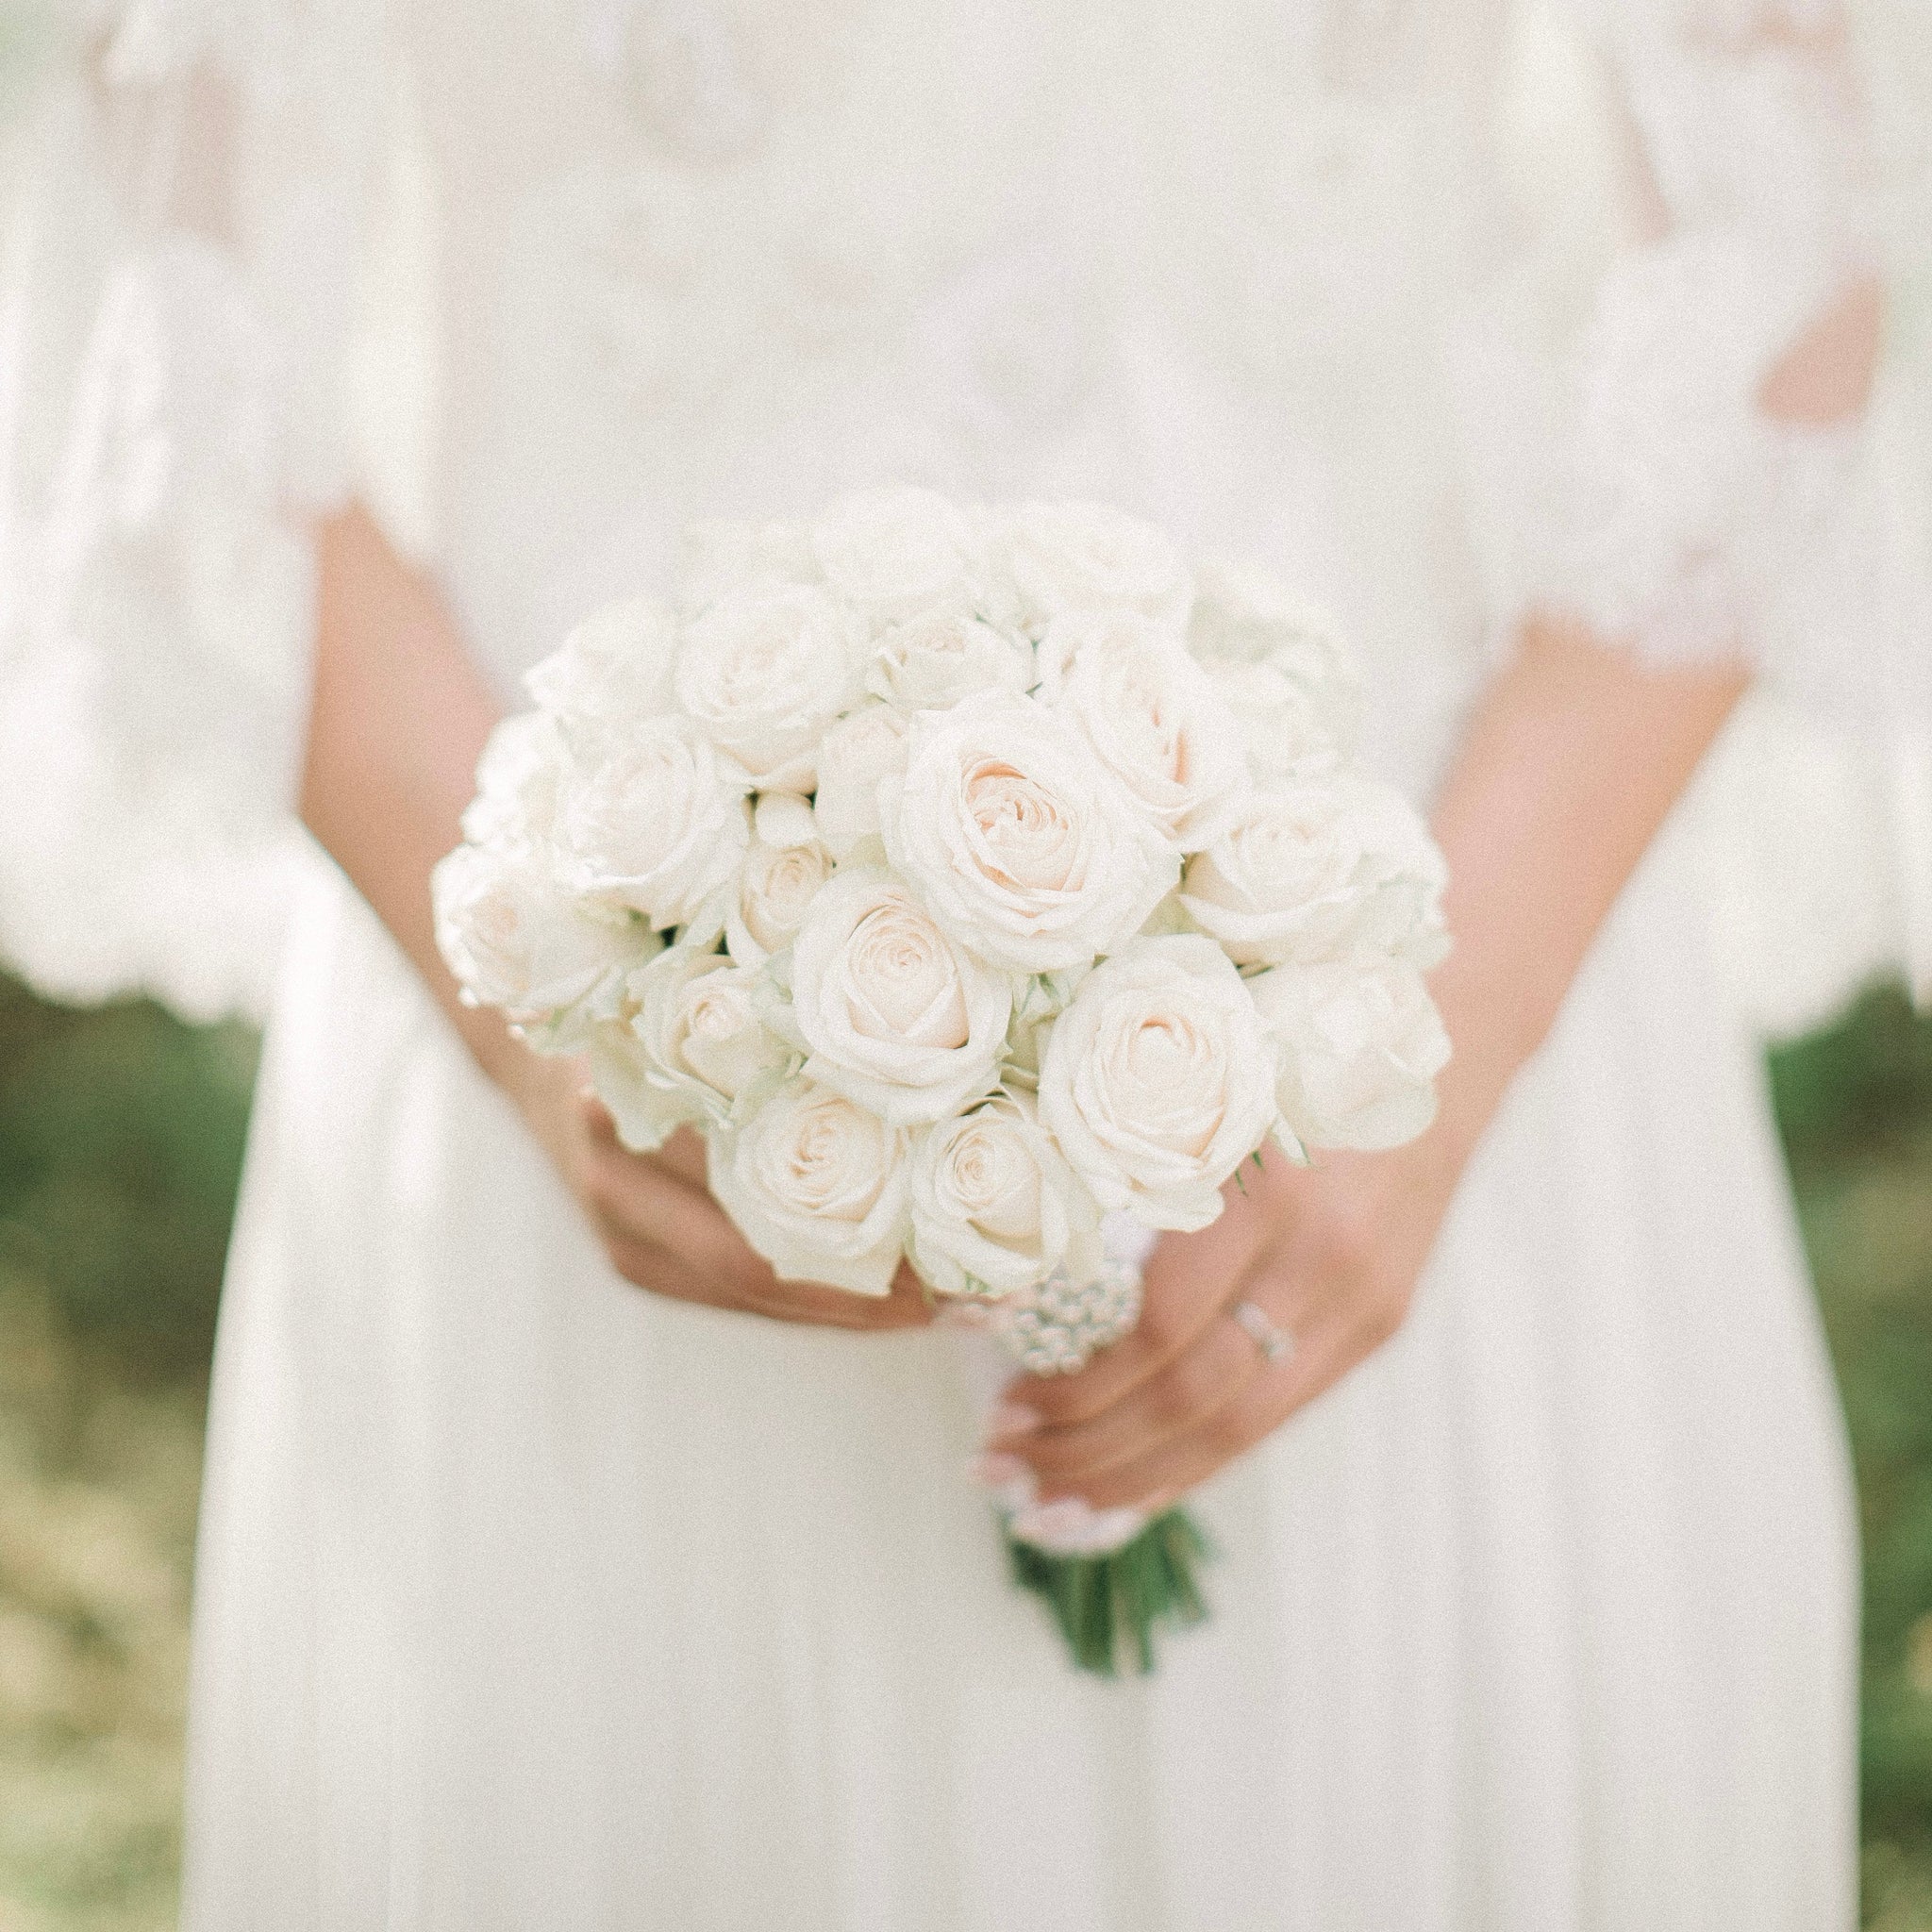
x=1697, y=465
x=179, y=274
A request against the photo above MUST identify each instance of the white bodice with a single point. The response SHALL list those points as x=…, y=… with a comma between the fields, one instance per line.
x=703, y=259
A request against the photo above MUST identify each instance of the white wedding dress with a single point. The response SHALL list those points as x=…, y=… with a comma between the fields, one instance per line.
x=527, y=1600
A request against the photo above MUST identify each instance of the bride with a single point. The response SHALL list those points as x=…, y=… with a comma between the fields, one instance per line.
x=559, y=1567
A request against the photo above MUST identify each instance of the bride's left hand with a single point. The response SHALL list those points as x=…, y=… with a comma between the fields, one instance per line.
x=1329, y=1255
x=1569, y=763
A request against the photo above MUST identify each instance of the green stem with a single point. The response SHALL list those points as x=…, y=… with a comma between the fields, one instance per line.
x=1109, y=1607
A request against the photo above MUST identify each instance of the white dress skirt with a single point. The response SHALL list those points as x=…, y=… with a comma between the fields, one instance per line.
x=530, y=1601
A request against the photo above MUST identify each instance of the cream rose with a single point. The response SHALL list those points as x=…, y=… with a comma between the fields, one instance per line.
x=1284, y=733
x=698, y=1046
x=775, y=888
x=783, y=820
x=860, y=752
x=897, y=1017
x=1358, y=1047
x=644, y=1112
x=659, y=825
x=892, y=553
x=517, y=779
x=515, y=939
x=1158, y=1083
x=1309, y=871
x=818, y=1186
x=1154, y=720
x=762, y=674
x=1280, y=664
x=936, y=658
x=1086, y=556
x=1018, y=840
x=612, y=671
x=995, y=1209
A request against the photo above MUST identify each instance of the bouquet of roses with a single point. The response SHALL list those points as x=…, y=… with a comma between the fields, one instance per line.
x=987, y=886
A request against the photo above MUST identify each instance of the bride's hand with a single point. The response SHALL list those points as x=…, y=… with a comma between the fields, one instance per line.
x=1568, y=766
x=659, y=1224
x=1328, y=1255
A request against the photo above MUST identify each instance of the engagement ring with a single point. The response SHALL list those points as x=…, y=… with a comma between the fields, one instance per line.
x=1276, y=1344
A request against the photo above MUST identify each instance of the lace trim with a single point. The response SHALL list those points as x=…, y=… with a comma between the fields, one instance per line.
x=1676, y=501
x=176, y=399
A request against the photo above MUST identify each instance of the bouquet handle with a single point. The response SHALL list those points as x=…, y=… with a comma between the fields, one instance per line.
x=1111, y=1579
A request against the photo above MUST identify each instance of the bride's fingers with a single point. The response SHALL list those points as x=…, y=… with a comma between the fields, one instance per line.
x=1334, y=1321
x=838, y=1308
x=1187, y=1282
x=684, y=1154
x=1198, y=1382
x=664, y=1271
x=640, y=1201
x=1265, y=1400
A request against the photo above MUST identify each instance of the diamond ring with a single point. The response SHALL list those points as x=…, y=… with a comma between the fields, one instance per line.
x=1275, y=1344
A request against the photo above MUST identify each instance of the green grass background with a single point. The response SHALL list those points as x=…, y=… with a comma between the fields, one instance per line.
x=121, y=1134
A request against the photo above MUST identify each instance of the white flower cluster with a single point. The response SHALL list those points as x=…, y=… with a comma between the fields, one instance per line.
x=964, y=875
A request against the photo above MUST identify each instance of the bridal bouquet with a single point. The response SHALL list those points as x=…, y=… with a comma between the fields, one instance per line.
x=987, y=886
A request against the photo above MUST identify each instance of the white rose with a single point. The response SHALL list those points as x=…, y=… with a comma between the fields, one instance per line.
x=897, y=1017
x=1156, y=721
x=775, y=888
x=1284, y=733
x=1069, y=556
x=699, y=1046
x=612, y=671
x=515, y=939
x=1281, y=664
x=659, y=825
x=817, y=1185
x=719, y=557
x=892, y=553
x=995, y=1209
x=935, y=659
x=1308, y=872
x=1021, y=844
x=517, y=779
x=1359, y=1044
x=762, y=674
x=1158, y=1082
x=645, y=1113
x=783, y=820
x=858, y=754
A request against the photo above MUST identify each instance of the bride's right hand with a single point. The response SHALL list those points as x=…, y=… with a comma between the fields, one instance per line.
x=659, y=1224
x=398, y=718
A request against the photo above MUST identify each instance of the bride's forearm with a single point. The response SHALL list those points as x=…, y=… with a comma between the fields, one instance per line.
x=398, y=716
x=1570, y=766
x=1574, y=757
